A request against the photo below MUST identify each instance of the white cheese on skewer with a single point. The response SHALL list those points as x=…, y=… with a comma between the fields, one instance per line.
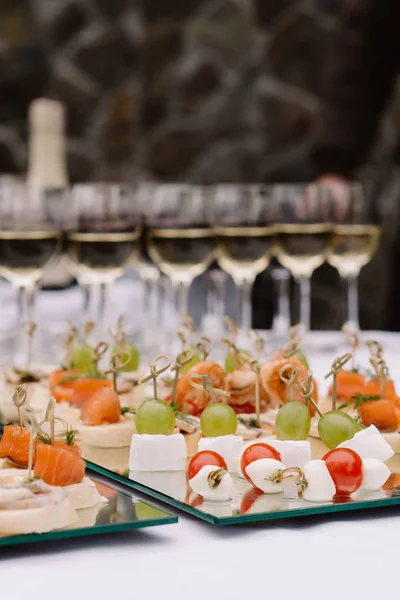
x=375, y=474
x=320, y=485
x=199, y=484
x=260, y=472
x=157, y=452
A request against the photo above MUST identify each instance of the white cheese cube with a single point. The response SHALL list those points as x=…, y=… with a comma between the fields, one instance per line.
x=375, y=474
x=261, y=470
x=369, y=443
x=320, y=485
x=230, y=447
x=157, y=452
x=200, y=485
x=171, y=484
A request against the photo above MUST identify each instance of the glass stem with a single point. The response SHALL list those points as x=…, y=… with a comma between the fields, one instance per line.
x=281, y=321
x=245, y=288
x=352, y=301
x=216, y=292
x=182, y=294
x=162, y=294
x=305, y=301
x=102, y=309
x=26, y=303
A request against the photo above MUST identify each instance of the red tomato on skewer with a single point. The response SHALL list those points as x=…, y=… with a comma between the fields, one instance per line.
x=346, y=469
x=203, y=459
x=255, y=452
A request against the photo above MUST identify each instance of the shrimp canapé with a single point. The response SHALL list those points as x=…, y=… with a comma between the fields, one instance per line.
x=192, y=400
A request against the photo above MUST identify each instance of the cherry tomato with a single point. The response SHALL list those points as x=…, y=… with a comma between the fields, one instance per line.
x=346, y=470
x=249, y=498
x=204, y=458
x=255, y=452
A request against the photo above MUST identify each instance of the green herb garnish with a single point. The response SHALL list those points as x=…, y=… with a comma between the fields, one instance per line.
x=70, y=435
x=128, y=410
x=358, y=399
x=44, y=438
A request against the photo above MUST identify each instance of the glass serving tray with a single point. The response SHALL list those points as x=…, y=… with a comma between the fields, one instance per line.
x=248, y=504
x=120, y=511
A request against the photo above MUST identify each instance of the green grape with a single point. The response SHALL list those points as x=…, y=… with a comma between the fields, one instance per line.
x=192, y=363
x=133, y=364
x=293, y=421
x=231, y=363
x=155, y=417
x=302, y=358
x=218, y=419
x=146, y=512
x=336, y=427
x=82, y=357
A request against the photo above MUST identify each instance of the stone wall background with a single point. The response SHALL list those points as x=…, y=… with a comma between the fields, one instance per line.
x=202, y=90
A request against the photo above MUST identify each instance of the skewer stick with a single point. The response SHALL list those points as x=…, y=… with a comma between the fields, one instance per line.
x=307, y=390
x=117, y=364
x=181, y=360
x=207, y=386
x=98, y=354
x=204, y=347
x=49, y=417
x=353, y=339
x=255, y=365
x=337, y=366
x=291, y=379
x=154, y=372
x=20, y=397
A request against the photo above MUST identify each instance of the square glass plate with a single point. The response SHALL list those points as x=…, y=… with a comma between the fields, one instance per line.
x=120, y=511
x=248, y=504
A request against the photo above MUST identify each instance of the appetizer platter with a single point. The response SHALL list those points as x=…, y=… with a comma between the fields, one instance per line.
x=45, y=492
x=245, y=438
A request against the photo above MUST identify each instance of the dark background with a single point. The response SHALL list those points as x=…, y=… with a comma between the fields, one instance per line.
x=201, y=90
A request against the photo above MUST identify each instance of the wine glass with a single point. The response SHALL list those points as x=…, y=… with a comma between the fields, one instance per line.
x=304, y=233
x=103, y=238
x=281, y=278
x=180, y=239
x=30, y=239
x=245, y=238
x=356, y=239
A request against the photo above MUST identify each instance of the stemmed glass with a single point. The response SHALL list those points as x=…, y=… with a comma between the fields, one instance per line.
x=180, y=240
x=103, y=238
x=281, y=320
x=30, y=239
x=355, y=242
x=304, y=234
x=245, y=238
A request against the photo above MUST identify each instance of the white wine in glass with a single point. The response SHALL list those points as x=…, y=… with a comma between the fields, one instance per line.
x=304, y=234
x=353, y=247
x=245, y=239
x=180, y=239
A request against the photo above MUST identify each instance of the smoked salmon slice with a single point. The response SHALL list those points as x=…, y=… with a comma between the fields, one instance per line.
x=7, y=439
x=373, y=388
x=60, y=387
x=19, y=450
x=102, y=407
x=349, y=383
x=380, y=413
x=85, y=388
x=58, y=466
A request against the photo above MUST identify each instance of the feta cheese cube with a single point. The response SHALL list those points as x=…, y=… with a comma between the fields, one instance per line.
x=230, y=447
x=369, y=443
x=157, y=452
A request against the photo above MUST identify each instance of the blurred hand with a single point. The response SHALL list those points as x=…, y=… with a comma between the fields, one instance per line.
x=340, y=191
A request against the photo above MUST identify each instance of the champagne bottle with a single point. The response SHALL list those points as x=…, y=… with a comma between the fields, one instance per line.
x=47, y=168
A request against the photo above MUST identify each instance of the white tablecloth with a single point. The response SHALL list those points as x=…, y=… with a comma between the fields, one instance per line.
x=344, y=556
